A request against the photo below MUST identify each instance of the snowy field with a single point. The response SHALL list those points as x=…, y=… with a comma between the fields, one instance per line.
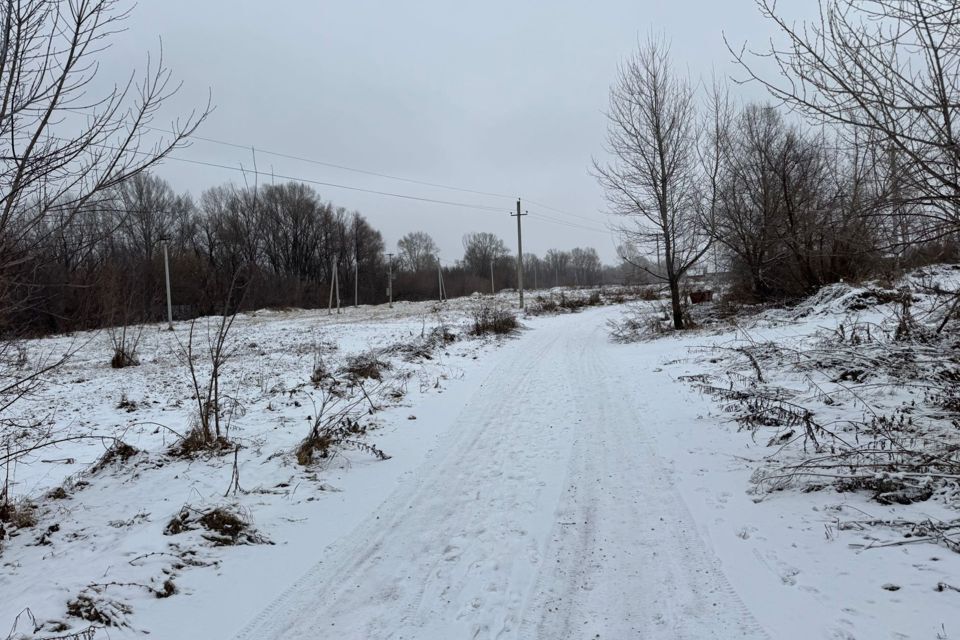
x=553, y=484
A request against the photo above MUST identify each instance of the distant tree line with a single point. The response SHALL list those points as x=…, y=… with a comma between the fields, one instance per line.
x=487, y=265
x=275, y=245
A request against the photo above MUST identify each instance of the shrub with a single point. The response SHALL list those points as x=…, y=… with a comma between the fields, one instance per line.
x=123, y=358
x=366, y=366
x=422, y=348
x=546, y=305
x=92, y=606
x=649, y=293
x=493, y=317
x=320, y=373
x=197, y=442
x=336, y=427
x=22, y=514
x=127, y=404
x=328, y=436
x=125, y=345
x=222, y=526
x=119, y=451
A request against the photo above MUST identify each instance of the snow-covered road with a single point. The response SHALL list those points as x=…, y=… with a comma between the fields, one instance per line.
x=542, y=512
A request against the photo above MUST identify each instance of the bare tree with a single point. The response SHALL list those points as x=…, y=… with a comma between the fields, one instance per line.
x=212, y=427
x=534, y=270
x=480, y=249
x=750, y=202
x=793, y=206
x=417, y=251
x=653, y=178
x=586, y=265
x=64, y=149
x=890, y=68
x=557, y=264
x=714, y=154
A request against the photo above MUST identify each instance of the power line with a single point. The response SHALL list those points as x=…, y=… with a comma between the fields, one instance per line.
x=572, y=225
x=561, y=211
x=272, y=175
x=259, y=173
x=378, y=174
x=341, y=166
x=321, y=183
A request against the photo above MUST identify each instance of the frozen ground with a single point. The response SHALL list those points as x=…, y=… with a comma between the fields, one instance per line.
x=555, y=485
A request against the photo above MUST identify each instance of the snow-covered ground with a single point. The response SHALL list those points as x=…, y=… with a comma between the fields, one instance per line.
x=549, y=485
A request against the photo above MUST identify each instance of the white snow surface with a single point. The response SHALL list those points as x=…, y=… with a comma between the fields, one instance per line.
x=552, y=485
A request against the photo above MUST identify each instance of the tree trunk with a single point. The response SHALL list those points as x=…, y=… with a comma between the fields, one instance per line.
x=676, y=303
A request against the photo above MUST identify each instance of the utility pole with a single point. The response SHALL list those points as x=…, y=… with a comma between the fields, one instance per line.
x=493, y=289
x=519, y=252
x=440, y=279
x=336, y=283
x=390, y=278
x=166, y=271
x=334, y=286
x=356, y=286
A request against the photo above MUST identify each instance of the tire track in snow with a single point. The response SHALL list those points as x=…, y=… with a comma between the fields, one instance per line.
x=541, y=513
x=379, y=574
x=625, y=557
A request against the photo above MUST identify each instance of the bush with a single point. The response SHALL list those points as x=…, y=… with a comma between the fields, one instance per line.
x=123, y=358
x=545, y=305
x=493, y=317
x=22, y=514
x=320, y=373
x=119, y=451
x=643, y=322
x=422, y=348
x=92, y=606
x=222, y=526
x=332, y=434
x=649, y=293
x=196, y=442
x=366, y=366
x=125, y=344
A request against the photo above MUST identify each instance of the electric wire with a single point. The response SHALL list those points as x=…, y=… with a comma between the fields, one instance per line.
x=378, y=174
x=273, y=175
x=321, y=183
x=334, y=165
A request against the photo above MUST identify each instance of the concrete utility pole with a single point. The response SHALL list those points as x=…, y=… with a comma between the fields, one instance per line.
x=356, y=286
x=334, y=286
x=440, y=279
x=166, y=271
x=336, y=280
x=390, y=278
x=519, y=252
x=493, y=289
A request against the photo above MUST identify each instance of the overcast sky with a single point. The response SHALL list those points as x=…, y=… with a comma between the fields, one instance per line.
x=502, y=97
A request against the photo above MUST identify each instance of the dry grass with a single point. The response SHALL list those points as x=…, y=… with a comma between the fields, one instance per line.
x=222, y=526
x=197, y=443
x=21, y=514
x=493, y=317
x=119, y=452
x=366, y=366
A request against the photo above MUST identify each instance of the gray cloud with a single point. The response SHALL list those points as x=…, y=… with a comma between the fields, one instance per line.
x=497, y=96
